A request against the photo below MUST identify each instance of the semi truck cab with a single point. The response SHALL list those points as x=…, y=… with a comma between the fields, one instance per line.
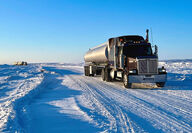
x=129, y=58
x=141, y=64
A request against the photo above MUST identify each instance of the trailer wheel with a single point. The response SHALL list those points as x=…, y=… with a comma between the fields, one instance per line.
x=103, y=74
x=98, y=71
x=92, y=75
x=126, y=81
x=160, y=84
x=86, y=71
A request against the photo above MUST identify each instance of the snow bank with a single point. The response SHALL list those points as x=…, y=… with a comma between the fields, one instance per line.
x=17, y=83
x=178, y=70
x=178, y=66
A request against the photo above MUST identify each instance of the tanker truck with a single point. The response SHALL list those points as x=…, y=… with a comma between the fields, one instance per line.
x=130, y=59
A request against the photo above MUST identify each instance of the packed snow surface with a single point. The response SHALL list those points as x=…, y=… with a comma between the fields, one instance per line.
x=59, y=98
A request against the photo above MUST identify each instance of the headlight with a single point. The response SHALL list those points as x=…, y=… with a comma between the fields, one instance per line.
x=132, y=71
x=162, y=70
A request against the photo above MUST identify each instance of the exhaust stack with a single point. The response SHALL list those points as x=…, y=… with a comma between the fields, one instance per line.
x=147, y=36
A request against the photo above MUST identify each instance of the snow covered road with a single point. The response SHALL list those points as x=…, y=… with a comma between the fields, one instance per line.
x=67, y=101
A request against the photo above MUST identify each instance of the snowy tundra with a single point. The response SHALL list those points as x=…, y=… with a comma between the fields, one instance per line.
x=59, y=98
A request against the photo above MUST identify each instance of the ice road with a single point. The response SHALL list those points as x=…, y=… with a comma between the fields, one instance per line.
x=59, y=98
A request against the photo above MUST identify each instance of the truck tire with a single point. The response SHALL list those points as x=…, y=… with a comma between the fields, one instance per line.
x=126, y=81
x=112, y=74
x=107, y=74
x=103, y=74
x=115, y=76
x=98, y=72
x=160, y=84
x=86, y=71
x=92, y=75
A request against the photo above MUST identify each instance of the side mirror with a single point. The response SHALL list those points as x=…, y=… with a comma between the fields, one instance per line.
x=155, y=50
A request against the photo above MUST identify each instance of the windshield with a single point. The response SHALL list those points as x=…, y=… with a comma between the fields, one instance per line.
x=137, y=50
x=132, y=38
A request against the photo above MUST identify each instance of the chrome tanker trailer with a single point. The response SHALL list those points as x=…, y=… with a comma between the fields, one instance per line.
x=128, y=58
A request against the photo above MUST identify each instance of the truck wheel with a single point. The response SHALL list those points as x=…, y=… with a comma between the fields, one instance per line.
x=160, y=84
x=91, y=75
x=115, y=76
x=107, y=75
x=126, y=81
x=86, y=71
x=103, y=74
x=112, y=74
x=98, y=72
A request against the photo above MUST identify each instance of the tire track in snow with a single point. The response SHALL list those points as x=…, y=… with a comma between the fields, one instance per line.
x=165, y=115
x=160, y=119
x=168, y=104
x=98, y=104
x=119, y=120
x=114, y=97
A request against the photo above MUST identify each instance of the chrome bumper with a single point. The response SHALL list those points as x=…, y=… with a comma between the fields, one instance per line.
x=147, y=79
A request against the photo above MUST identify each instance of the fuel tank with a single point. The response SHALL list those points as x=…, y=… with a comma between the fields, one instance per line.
x=98, y=54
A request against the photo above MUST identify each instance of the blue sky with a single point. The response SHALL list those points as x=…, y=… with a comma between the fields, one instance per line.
x=63, y=30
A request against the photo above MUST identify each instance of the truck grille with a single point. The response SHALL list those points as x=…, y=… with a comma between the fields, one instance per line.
x=147, y=66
